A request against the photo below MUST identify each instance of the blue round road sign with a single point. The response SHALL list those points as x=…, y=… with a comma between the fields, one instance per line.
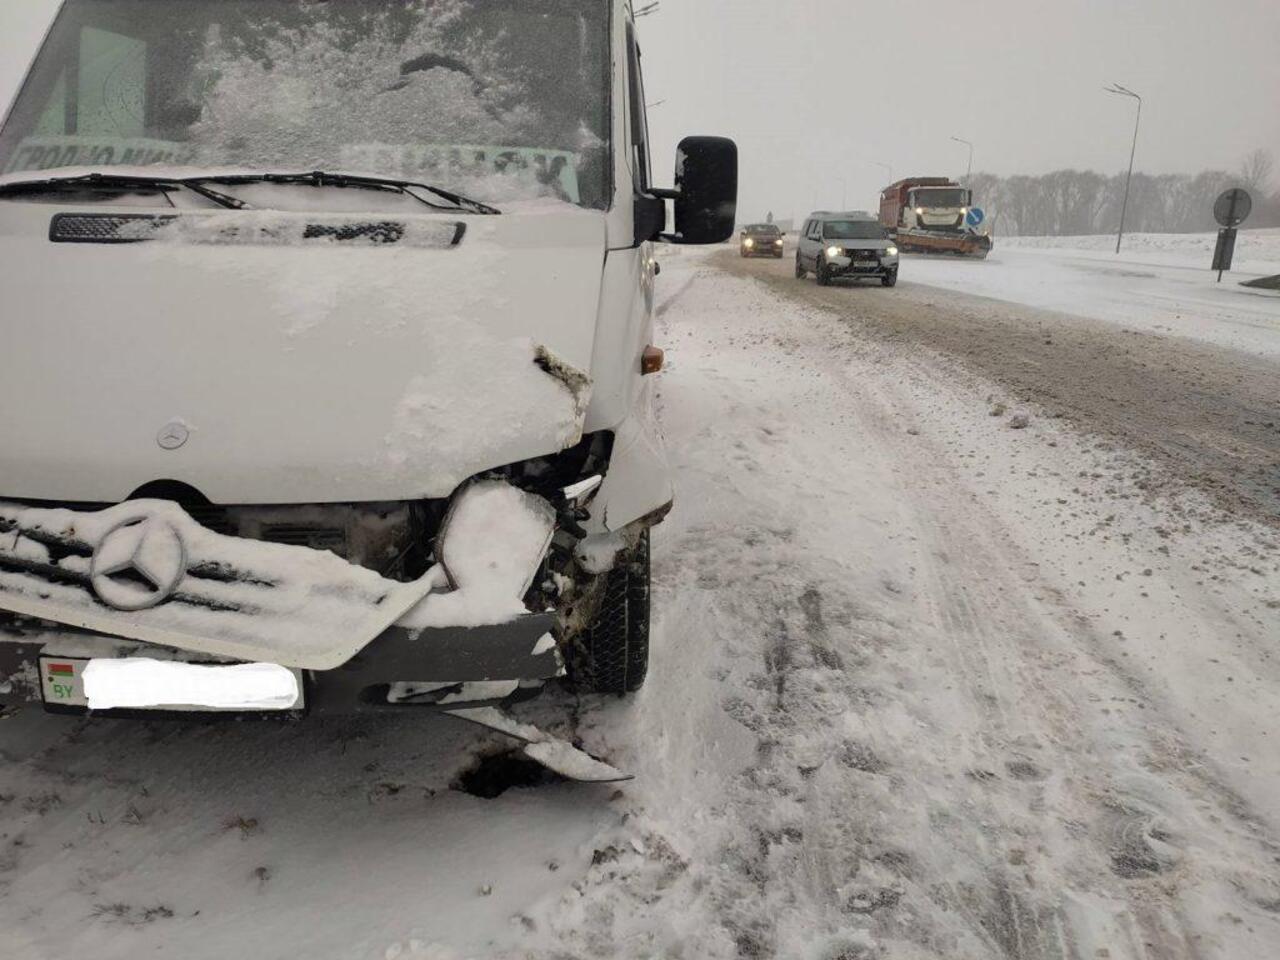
x=975, y=216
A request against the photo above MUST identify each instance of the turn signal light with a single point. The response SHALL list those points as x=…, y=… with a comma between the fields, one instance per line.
x=651, y=360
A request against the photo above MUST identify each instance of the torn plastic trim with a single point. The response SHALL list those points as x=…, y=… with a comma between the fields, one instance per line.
x=598, y=553
x=555, y=754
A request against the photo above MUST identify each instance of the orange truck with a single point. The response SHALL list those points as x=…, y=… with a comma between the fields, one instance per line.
x=930, y=215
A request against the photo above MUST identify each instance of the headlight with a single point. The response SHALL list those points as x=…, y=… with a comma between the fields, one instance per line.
x=964, y=209
x=748, y=242
x=833, y=252
x=891, y=251
x=778, y=242
x=493, y=539
x=919, y=211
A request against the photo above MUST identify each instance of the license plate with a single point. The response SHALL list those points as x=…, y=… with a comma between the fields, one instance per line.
x=62, y=685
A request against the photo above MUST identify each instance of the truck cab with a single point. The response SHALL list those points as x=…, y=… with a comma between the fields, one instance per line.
x=937, y=208
x=329, y=348
x=925, y=203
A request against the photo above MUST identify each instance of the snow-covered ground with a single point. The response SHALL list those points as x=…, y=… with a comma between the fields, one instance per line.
x=1159, y=282
x=923, y=686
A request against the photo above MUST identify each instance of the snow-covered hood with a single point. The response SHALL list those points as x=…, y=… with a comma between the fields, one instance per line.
x=304, y=357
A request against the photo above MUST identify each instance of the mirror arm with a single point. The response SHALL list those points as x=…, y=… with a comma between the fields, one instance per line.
x=651, y=215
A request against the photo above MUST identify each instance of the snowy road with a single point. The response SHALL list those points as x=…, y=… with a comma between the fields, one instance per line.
x=924, y=686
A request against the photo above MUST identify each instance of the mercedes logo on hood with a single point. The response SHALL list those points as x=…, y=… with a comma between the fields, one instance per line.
x=138, y=563
x=173, y=435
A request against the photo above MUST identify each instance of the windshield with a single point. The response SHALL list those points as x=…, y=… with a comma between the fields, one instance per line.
x=853, y=230
x=766, y=228
x=946, y=197
x=496, y=99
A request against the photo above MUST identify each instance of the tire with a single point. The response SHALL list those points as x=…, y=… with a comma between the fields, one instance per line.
x=612, y=655
x=824, y=279
x=890, y=279
x=801, y=272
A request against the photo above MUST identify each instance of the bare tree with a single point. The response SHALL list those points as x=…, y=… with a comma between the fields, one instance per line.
x=1256, y=170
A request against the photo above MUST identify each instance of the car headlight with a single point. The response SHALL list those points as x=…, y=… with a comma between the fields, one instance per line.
x=964, y=209
x=919, y=211
x=891, y=251
x=778, y=242
x=494, y=537
x=834, y=252
x=748, y=242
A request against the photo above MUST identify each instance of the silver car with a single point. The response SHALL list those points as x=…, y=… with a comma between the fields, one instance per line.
x=834, y=245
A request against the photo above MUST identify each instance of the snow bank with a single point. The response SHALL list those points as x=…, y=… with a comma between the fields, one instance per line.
x=1158, y=282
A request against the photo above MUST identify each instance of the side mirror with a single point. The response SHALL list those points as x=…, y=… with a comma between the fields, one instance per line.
x=706, y=193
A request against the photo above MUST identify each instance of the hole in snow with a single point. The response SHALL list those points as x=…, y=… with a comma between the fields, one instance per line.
x=494, y=775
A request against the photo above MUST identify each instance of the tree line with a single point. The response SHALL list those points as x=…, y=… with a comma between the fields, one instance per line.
x=1079, y=202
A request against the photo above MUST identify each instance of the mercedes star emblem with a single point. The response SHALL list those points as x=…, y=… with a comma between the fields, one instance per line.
x=173, y=435
x=138, y=563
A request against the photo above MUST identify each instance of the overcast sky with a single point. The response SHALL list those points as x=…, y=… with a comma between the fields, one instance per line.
x=817, y=91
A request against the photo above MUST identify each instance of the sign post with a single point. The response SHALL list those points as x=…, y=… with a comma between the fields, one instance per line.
x=1231, y=209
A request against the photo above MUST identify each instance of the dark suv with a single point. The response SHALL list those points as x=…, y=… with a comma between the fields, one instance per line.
x=760, y=240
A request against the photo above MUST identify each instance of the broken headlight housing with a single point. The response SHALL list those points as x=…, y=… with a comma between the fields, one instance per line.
x=494, y=537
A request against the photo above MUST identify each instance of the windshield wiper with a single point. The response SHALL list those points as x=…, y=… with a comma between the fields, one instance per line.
x=320, y=178
x=122, y=180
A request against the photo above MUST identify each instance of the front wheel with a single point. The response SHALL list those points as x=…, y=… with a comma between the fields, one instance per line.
x=890, y=279
x=824, y=278
x=801, y=272
x=612, y=654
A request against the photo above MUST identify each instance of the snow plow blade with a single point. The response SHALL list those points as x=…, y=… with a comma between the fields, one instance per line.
x=558, y=756
x=938, y=241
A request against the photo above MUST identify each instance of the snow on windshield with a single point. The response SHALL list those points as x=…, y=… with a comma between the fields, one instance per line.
x=490, y=98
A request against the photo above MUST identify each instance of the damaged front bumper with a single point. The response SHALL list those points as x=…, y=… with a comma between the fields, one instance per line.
x=144, y=580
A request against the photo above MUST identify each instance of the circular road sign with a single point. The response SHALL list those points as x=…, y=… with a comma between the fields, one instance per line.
x=975, y=216
x=1232, y=207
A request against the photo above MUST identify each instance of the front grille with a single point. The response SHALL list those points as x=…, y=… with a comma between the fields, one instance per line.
x=385, y=232
x=251, y=229
x=106, y=227
x=392, y=538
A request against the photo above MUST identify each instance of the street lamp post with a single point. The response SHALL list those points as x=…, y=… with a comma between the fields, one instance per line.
x=888, y=168
x=1124, y=205
x=969, y=171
